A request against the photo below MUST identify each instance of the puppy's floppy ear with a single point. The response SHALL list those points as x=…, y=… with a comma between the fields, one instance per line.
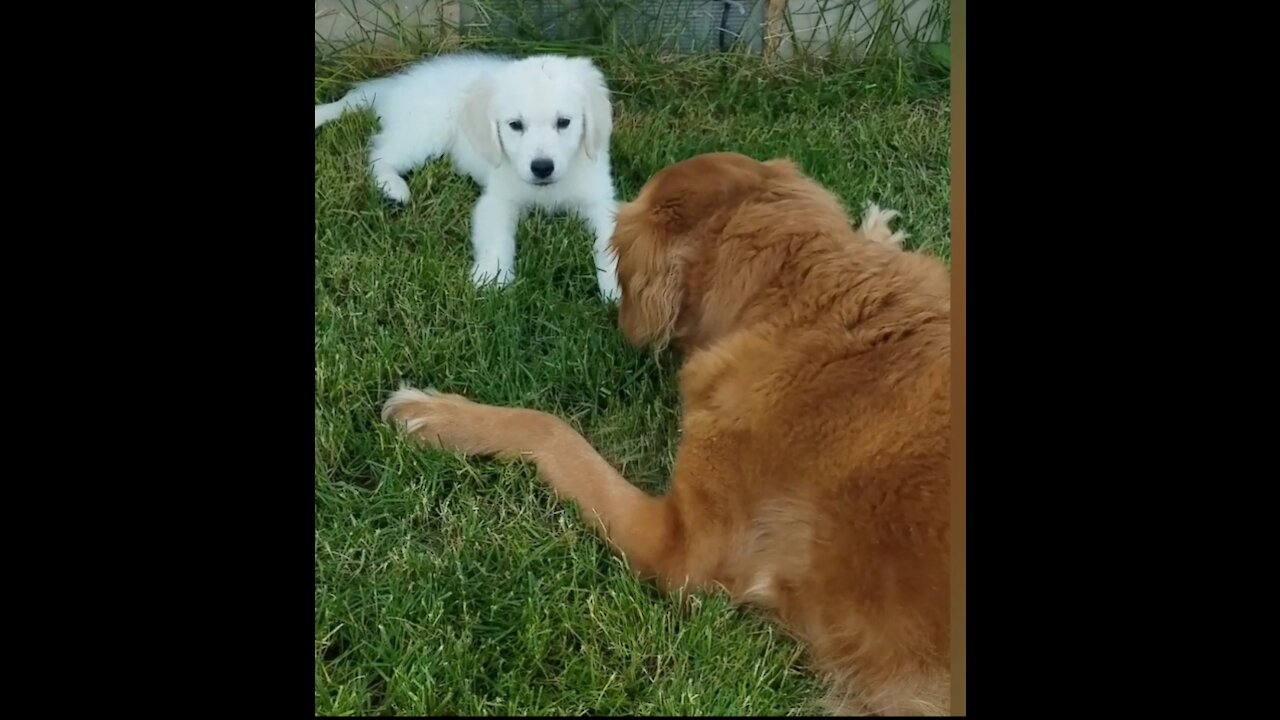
x=478, y=123
x=598, y=114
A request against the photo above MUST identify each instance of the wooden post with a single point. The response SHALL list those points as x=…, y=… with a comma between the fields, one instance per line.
x=774, y=17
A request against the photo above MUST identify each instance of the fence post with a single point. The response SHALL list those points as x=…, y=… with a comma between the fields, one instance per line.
x=774, y=15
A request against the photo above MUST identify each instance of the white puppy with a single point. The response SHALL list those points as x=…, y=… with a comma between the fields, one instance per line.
x=531, y=132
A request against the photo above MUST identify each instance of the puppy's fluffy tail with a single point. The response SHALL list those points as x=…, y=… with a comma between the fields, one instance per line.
x=354, y=100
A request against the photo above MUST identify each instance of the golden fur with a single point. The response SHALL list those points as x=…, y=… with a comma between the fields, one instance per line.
x=812, y=476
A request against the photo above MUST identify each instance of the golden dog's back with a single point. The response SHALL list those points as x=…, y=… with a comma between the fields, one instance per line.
x=820, y=433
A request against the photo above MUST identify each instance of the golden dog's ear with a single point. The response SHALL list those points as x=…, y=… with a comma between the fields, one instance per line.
x=651, y=286
x=478, y=123
x=598, y=113
x=692, y=192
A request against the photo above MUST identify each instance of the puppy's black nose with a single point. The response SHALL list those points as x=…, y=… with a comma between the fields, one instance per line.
x=542, y=168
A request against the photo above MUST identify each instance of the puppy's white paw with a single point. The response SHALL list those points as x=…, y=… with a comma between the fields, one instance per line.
x=484, y=274
x=608, y=283
x=875, y=225
x=395, y=188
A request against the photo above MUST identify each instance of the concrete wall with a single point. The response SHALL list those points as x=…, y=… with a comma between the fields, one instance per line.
x=814, y=25
x=351, y=20
x=818, y=25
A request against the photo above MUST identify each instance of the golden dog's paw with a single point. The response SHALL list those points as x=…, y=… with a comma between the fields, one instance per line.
x=456, y=424
x=429, y=415
x=875, y=226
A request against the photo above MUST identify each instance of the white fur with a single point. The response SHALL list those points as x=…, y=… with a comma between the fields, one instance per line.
x=876, y=226
x=463, y=105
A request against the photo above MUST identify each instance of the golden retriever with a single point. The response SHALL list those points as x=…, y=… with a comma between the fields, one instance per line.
x=812, y=478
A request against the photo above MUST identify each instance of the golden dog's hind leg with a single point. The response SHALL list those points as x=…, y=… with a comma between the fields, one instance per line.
x=642, y=528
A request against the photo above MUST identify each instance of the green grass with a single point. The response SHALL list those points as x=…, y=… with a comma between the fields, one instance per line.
x=447, y=586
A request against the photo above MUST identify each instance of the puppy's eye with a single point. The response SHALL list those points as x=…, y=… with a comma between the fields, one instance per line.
x=516, y=125
x=562, y=123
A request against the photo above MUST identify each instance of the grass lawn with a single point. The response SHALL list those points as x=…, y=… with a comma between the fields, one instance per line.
x=446, y=586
